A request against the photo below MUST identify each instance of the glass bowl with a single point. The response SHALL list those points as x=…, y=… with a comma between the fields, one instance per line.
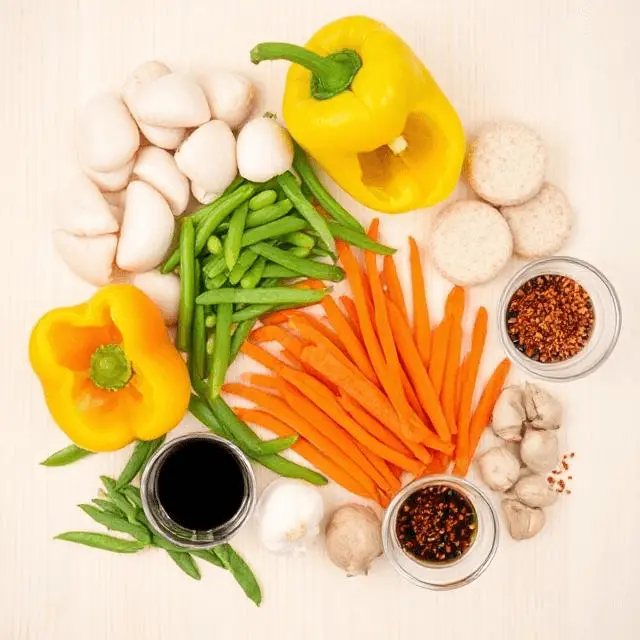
x=606, y=328
x=454, y=574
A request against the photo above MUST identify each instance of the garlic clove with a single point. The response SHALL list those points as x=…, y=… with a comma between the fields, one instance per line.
x=112, y=180
x=90, y=258
x=539, y=450
x=523, y=522
x=158, y=168
x=168, y=138
x=543, y=410
x=509, y=415
x=163, y=289
x=208, y=156
x=107, y=135
x=534, y=491
x=499, y=468
x=230, y=96
x=202, y=195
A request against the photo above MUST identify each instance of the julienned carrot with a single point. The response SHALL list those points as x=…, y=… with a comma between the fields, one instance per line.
x=279, y=408
x=382, y=467
x=352, y=315
x=319, y=326
x=275, y=333
x=478, y=338
x=309, y=283
x=439, y=464
x=412, y=398
x=439, y=351
x=303, y=448
x=448, y=394
x=277, y=317
x=349, y=338
x=417, y=371
x=482, y=414
x=394, y=288
x=261, y=380
x=454, y=306
x=462, y=373
x=421, y=323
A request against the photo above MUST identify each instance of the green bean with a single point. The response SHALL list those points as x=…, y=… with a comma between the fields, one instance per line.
x=275, y=229
x=263, y=199
x=237, y=182
x=277, y=445
x=251, y=312
x=268, y=214
x=210, y=321
x=254, y=275
x=276, y=295
x=302, y=266
x=187, y=286
x=208, y=556
x=101, y=541
x=273, y=270
x=65, y=456
x=132, y=494
x=324, y=198
x=214, y=268
x=118, y=499
x=240, y=570
x=299, y=239
x=117, y=523
x=105, y=505
x=215, y=283
x=240, y=335
x=202, y=412
x=299, y=252
x=211, y=341
x=222, y=346
x=233, y=239
x=197, y=353
x=139, y=456
x=357, y=239
x=319, y=252
x=245, y=261
x=306, y=209
x=186, y=563
x=214, y=245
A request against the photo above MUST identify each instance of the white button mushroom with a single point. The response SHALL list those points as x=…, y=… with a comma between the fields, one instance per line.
x=158, y=168
x=115, y=180
x=107, y=134
x=202, y=195
x=163, y=289
x=89, y=258
x=264, y=150
x=147, y=229
x=230, y=96
x=172, y=100
x=208, y=156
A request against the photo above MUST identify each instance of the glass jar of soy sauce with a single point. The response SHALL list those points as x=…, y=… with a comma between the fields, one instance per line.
x=198, y=490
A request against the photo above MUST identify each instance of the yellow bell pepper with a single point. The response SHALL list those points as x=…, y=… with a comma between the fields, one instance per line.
x=109, y=371
x=364, y=106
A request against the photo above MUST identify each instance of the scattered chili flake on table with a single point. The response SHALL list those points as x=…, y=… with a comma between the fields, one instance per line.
x=561, y=485
x=550, y=318
x=436, y=524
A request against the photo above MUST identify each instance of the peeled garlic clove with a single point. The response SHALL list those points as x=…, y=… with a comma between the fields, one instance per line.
x=168, y=138
x=499, y=468
x=202, y=195
x=158, y=168
x=107, y=134
x=534, y=491
x=509, y=415
x=163, y=289
x=523, y=522
x=89, y=258
x=112, y=180
x=543, y=410
x=172, y=100
x=230, y=96
x=539, y=450
x=208, y=156
x=147, y=229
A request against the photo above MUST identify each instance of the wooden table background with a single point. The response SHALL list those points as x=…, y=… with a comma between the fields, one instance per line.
x=569, y=68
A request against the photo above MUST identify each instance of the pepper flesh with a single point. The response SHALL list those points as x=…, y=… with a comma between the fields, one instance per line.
x=75, y=349
x=392, y=140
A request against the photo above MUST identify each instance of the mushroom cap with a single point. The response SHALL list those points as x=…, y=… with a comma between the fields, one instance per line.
x=90, y=258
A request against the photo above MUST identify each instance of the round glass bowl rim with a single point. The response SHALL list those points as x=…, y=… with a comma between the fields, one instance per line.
x=519, y=278
x=466, y=487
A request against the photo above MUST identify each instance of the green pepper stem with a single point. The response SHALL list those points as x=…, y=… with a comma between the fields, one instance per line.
x=110, y=369
x=331, y=74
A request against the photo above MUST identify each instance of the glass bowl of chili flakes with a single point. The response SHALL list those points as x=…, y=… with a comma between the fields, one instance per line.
x=559, y=318
x=440, y=532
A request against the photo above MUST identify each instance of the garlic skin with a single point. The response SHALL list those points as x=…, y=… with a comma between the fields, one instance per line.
x=523, y=522
x=542, y=409
x=499, y=468
x=353, y=538
x=509, y=415
x=534, y=491
x=539, y=450
x=289, y=515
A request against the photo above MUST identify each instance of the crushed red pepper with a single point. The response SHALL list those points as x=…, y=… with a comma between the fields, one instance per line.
x=561, y=484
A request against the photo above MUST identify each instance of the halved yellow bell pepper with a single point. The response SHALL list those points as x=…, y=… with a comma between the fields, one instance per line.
x=109, y=371
x=364, y=106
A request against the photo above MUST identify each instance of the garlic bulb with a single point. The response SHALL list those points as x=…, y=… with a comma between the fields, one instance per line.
x=543, y=410
x=499, y=468
x=534, y=491
x=289, y=515
x=539, y=450
x=509, y=415
x=523, y=522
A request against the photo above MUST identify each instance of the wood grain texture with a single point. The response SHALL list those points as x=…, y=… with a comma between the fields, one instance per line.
x=567, y=67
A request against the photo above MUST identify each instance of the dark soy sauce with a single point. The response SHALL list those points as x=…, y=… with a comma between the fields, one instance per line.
x=201, y=485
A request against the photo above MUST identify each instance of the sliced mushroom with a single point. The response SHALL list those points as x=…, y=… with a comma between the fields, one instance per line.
x=115, y=180
x=158, y=168
x=230, y=96
x=163, y=289
x=147, y=229
x=89, y=258
x=107, y=134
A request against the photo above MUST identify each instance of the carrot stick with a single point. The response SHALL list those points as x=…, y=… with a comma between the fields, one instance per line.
x=392, y=281
x=291, y=358
x=421, y=323
x=412, y=398
x=320, y=327
x=277, y=407
x=448, y=394
x=460, y=378
x=304, y=448
x=349, y=338
x=351, y=314
x=439, y=351
x=439, y=464
x=478, y=338
x=309, y=283
x=417, y=371
x=277, y=317
x=261, y=380
x=382, y=467
x=275, y=333
x=482, y=414
x=454, y=306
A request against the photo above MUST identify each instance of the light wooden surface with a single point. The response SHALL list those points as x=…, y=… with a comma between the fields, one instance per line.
x=569, y=68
